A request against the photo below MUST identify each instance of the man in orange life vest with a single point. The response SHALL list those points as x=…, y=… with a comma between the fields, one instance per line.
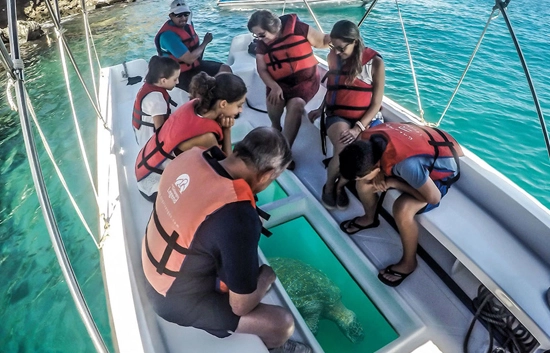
x=419, y=161
x=177, y=39
x=200, y=251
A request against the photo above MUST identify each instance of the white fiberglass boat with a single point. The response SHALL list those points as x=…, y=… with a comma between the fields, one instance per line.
x=487, y=232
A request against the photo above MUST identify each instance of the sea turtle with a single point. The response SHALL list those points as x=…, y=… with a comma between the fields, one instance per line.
x=316, y=296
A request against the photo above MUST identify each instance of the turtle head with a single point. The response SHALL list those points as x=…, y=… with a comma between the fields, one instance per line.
x=354, y=331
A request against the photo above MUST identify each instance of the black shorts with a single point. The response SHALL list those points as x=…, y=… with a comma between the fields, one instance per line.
x=210, y=311
x=210, y=67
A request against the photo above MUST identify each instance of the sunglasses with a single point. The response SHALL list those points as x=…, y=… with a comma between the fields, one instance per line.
x=339, y=49
x=183, y=14
x=260, y=35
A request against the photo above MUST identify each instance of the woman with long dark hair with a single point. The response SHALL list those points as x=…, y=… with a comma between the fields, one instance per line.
x=205, y=121
x=355, y=88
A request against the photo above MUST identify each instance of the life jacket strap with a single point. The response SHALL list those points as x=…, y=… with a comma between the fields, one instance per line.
x=171, y=245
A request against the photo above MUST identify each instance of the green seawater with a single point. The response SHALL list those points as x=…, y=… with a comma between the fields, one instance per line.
x=493, y=115
x=309, y=248
x=272, y=193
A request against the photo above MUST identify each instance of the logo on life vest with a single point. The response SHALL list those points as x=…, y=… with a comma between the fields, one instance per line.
x=182, y=182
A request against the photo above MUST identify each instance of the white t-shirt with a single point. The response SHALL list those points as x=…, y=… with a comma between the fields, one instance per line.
x=153, y=104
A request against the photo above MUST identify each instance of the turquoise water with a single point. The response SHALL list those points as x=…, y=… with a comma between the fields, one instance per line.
x=308, y=247
x=493, y=115
x=272, y=193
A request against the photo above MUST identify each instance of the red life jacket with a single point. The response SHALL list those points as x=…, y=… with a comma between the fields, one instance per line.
x=182, y=125
x=409, y=140
x=347, y=100
x=290, y=53
x=138, y=113
x=189, y=39
x=189, y=191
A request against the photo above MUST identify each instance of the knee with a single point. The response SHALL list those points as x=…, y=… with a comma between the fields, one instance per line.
x=402, y=210
x=297, y=105
x=225, y=68
x=283, y=326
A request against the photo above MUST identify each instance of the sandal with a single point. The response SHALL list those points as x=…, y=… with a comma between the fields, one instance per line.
x=345, y=225
x=394, y=273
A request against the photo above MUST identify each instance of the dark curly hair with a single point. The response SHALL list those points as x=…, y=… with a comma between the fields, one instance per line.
x=224, y=86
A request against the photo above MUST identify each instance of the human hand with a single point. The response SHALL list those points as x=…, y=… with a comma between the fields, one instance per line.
x=314, y=114
x=379, y=182
x=275, y=96
x=207, y=38
x=348, y=136
x=225, y=121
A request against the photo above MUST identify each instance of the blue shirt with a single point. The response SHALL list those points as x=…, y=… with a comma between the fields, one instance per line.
x=171, y=42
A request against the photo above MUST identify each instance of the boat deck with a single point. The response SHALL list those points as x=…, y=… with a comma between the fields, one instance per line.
x=423, y=310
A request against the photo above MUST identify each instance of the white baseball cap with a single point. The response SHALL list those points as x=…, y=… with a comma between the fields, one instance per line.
x=179, y=6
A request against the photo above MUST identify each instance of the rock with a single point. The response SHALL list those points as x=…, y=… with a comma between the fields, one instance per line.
x=27, y=30
x=36, y=11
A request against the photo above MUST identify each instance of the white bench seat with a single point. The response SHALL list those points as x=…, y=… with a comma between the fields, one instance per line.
x=495, y=255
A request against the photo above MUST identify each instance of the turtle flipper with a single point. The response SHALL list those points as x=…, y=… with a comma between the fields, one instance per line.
x=312, y=321
x=346, y=321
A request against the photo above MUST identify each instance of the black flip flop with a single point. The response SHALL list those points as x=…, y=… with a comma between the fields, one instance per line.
x=394, y=273
x=345, y=225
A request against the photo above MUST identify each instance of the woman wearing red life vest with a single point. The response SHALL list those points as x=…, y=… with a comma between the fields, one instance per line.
x=355, y=88
x=152, y=103
x=204, y=121
x=286, y=64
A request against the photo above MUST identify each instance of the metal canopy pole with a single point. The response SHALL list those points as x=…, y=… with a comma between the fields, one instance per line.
x=40, y=186
x=502, y=7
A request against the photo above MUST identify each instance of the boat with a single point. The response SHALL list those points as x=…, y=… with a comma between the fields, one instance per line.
x=430, y=312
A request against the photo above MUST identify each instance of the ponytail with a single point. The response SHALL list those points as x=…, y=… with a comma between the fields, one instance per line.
x=209, y=90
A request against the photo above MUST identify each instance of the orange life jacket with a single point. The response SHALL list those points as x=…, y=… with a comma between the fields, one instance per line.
x=183, y=124
x=189, y=39
x=409, y=140
x=347, y=100
x=290, y=53
x=138, y=113
x=189, y=191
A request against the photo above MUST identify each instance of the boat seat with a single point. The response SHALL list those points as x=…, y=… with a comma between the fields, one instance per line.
x=189, y=339
x=474, y=237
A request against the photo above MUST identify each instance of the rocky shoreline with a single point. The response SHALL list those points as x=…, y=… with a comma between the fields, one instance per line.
x=30, y=14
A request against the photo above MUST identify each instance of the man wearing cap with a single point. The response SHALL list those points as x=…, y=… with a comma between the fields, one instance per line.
x=177, y=39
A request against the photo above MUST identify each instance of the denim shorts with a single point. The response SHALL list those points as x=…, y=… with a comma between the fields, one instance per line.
x=443, y=189
x=377, y=120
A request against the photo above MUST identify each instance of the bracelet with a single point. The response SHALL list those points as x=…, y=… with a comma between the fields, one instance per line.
x=360, y=125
